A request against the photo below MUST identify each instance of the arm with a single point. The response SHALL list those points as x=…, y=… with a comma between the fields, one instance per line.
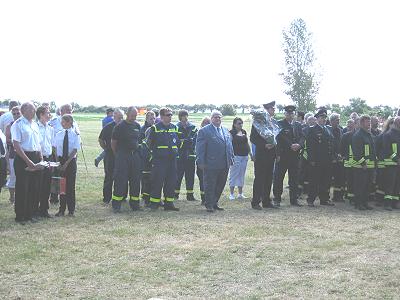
x=357, y=145
x=21, y=153
x=201, y=146
x=102, y=144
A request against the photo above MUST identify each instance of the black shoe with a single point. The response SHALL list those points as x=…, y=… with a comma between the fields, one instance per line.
x=190, y=197
x=209, y=210
x=295, y=203
x=270, y=205
x=154, y=206
x=135, y=205
x=96, y=162
x=327, y=203
x=256, y=207
x=216, y=207
x=46, y=215
x=116, y=210
x=310, y=204
x=59, y=214
x=367, y=207
x=71, y=214
x=33, y=220
x=388, y=208
x=170, y=206
x=20, y=222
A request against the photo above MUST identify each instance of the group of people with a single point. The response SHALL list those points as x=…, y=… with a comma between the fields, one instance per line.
x=359, y=162
x=34, y=148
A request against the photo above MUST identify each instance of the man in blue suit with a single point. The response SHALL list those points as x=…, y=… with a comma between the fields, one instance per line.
x=214, y=155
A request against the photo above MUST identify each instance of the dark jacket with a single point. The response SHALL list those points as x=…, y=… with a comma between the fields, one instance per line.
x=337, y=134
x=319, y=145
x=288, y=135
x=262, y=153
x=187, y=140
x=363, y=149
x=391, y=147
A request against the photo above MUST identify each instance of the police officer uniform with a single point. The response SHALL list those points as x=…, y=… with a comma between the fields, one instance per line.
x=27, y=182
x=391, y=142
x=364, y=165
x=338, y=174
x=127, y=167
x=320, y=155
x=3, y=161
x=187, y=158
x=287, y=159
x=146, y=164
x=163, y=142
x=46, y=142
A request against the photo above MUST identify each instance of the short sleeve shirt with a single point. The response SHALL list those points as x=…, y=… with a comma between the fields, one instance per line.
x=106, y=134
x=127, y=135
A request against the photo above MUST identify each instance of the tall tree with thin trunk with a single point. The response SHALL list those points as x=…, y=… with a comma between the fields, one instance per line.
x=300, y=74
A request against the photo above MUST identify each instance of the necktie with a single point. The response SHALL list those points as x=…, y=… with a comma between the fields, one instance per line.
x=65, y=146
x=2, y=149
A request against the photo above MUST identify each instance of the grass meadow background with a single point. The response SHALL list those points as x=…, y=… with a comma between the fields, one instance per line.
x=291, y=252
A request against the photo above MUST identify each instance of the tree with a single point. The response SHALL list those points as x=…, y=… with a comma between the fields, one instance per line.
x=300, y=76
x=357, y=105
x=227, y=110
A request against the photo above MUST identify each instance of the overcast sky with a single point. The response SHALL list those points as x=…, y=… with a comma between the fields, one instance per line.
x=169, y=51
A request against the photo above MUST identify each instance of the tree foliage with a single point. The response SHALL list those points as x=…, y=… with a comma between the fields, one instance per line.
x=300, y=76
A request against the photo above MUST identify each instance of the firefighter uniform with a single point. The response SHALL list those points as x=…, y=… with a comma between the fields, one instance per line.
x=187, y=158
x=163, y=142
x=146, y=164
x=127, y=164
x=391, y=142
x=338, y=174
x=287, y=159
x=364, y=165
x=348, y=161
x=380, y=170
x=320, y=155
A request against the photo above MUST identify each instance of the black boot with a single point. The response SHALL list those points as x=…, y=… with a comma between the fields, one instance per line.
x=387, y=204
x=277, y=202
x=170, y=206
x=116, y=206
x=190, y=197
x=203, y=200
x=154, y=205
x=135, y=205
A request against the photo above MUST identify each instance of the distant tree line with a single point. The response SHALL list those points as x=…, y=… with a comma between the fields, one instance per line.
x=357, y=105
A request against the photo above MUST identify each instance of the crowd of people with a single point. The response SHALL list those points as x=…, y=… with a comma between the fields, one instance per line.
x=360, y=162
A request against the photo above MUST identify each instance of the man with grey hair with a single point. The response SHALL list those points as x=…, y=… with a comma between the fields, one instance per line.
x=214, y=155
x=105, y=144
x=338, y=173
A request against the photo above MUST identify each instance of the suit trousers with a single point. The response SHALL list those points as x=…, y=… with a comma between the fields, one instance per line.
x=26, y=187
x=108, y=175
x=44, y=191
x=68, y=200
x=214, y=184
x=263, y=175
x=320, y=182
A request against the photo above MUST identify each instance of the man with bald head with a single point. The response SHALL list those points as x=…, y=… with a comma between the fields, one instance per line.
x=391, y=144
x=26, y=141
x=125, y=146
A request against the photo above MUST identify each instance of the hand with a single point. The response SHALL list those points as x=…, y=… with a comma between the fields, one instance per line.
x=269, y=146
x=295, y=147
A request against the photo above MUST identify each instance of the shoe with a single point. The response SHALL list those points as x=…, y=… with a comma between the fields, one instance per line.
x=71, y=214
x=367, y=207
x=232, y=197
x=33, y=220
x=327, y=203
x=59, y=214
x=270, y=205
x=256, y=207
x=20, y=222
x=241, y=197
x=96, y=162
x=116, y=210
x=146, y=203
x=135, y=205
x=190, y=197
x=209, y=210
x=310, y=204
x=170, y=206
x=216, y=207
x=295, y=203
x=46, y=215
x=388, y=208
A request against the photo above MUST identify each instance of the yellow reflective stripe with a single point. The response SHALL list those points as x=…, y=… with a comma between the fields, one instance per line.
x=174, y=147
x=134, y=198
x=189, y=191
x=182, y=144
x=350, y=195
x=146, y=172
x=350, y=151
x=387, y=197
x=155, y=200
x=202, y=193
x=177, y=191
x=395, y=198
x=162, y=147
x=192, y=155
x=366, y=150
x=169, y=199
x=380, y=192
x=164, y=130
x=117, y=198
x=145, y=194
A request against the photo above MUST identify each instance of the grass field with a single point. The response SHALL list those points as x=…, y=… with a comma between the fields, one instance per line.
x=303, y=252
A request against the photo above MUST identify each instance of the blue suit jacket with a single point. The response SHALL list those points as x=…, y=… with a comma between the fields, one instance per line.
x=212, y=150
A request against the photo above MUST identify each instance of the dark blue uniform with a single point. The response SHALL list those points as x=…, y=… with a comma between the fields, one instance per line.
x=146, y=164
x=187, y=158
x=391, y=142
x=127, y=164
x=163, y=142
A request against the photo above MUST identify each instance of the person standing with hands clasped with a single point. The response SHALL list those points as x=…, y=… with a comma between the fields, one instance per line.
x=26, y=141
x=66, y=144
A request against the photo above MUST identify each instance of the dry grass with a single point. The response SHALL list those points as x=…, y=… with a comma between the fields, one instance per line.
x=239, y=253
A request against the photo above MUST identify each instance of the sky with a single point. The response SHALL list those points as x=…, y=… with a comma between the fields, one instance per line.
x=183, y=51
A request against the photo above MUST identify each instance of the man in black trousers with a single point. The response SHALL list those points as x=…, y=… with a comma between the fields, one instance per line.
x=26, y=141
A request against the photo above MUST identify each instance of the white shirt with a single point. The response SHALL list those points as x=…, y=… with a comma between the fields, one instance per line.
x=27, y=134
x=5, y=120
x=73, y=141
x=4, y=141
x=46, y=138
x=56, y=124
